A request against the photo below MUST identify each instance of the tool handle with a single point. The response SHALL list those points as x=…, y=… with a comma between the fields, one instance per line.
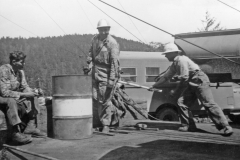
x=137, y=85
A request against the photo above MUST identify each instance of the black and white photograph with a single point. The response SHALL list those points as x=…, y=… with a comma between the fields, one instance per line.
x=119, y=79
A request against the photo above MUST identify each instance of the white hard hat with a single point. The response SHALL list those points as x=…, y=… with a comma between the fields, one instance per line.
x=103, y=23
x=170, y=47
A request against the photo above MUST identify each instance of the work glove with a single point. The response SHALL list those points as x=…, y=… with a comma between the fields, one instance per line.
x=151, y=89
x=89, y=60
x=39, y=91
x=86, y=70
x=176, y=78
x=110, y=83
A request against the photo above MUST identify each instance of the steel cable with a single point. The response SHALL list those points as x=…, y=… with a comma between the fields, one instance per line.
x=171, y=34
x=132, y=22
x=59, y=26
x=34, y=34
x=116, y=22
x=228, y=5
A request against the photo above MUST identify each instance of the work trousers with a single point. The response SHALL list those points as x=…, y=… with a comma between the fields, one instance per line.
x=16, y=110
x=101, y=93
x=199, y=88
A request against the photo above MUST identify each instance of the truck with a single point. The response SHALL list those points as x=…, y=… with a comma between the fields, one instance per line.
x=142, y=68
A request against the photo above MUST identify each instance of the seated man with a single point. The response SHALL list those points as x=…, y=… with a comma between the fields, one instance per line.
x=18, y=100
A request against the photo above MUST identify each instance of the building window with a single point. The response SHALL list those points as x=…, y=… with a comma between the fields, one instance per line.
x=151, y=73
x=129, y=74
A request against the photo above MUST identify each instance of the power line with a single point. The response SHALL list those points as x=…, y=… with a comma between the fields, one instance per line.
x=85, y=13
x=171, y=34
x=228, y=5
x=132, y=22
x=59, y=26
x=18, y=25
x=116, y=21
x=33, y=33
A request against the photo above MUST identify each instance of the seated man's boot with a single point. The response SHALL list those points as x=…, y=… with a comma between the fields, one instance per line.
x=33, y=130
x=20, y=138
x=105, y=129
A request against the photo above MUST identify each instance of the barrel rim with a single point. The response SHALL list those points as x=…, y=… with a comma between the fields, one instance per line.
x=73, y=95
x=71, y=75
x=72, y=117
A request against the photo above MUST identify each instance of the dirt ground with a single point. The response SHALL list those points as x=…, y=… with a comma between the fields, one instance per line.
x=166, y=144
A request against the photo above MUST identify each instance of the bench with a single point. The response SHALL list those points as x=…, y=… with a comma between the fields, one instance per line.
x=4, y=129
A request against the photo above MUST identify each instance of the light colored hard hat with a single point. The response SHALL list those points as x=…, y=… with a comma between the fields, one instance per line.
x=103, y=23
x=170, y=47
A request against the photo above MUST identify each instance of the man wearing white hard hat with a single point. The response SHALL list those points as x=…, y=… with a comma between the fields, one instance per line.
x=195, y=84
x=104, y=61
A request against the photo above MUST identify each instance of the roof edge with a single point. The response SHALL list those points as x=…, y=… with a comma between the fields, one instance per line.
x=207, y=33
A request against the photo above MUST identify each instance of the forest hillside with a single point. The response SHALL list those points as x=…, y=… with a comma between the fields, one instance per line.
x=60, y=55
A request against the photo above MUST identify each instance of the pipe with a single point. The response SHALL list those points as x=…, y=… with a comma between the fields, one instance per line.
x=28, y=152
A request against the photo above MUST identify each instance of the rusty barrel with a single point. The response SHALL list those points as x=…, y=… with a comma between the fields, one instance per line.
x=72, y=106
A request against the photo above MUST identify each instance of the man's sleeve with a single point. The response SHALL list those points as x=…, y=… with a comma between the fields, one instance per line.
x=170, y=73
x=183, y=74
x=114, y=59
x=23, y=84
x=89, y=58
x=5, y=84
x=166, y=76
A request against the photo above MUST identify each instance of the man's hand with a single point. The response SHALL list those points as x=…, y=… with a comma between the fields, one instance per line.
x=28, y=94
x=40, y=91
x=110, y=83
x=176, y=78
x=151, y=89
x=89, y=60
x=86, y=70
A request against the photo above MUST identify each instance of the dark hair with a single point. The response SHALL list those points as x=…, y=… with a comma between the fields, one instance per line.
x=16, y=55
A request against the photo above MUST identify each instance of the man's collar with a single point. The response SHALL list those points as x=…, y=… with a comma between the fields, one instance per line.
x=176, y=58
x=105, y=38
x=11, y=68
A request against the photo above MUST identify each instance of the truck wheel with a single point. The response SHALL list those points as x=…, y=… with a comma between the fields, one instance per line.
x=234, y=118
x=167, y=114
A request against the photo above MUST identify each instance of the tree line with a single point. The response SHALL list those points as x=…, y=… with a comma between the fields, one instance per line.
x=60, y=55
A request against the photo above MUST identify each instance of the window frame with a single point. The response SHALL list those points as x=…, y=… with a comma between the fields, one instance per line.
x=146, y=75
x=122, y=75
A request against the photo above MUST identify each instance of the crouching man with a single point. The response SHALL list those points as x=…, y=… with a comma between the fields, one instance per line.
x=195, y=84
x=18, y=100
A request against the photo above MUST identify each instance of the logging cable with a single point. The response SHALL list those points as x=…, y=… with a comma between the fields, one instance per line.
x=228, y=5
x=85, y=13
x=132, y=22
x=171, y=34
x=33, y=33
x=59, y=26
x=18, y=25
x=116, y=22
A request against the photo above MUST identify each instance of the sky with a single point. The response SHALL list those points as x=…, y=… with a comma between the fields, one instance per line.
x=43, y=18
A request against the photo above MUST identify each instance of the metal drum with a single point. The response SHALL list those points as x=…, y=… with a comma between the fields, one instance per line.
x=72, y=106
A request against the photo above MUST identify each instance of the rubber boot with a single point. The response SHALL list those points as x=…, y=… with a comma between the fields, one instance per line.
x=33, y=130
x=20, y=138
x=105, y=129
x=228, y=131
